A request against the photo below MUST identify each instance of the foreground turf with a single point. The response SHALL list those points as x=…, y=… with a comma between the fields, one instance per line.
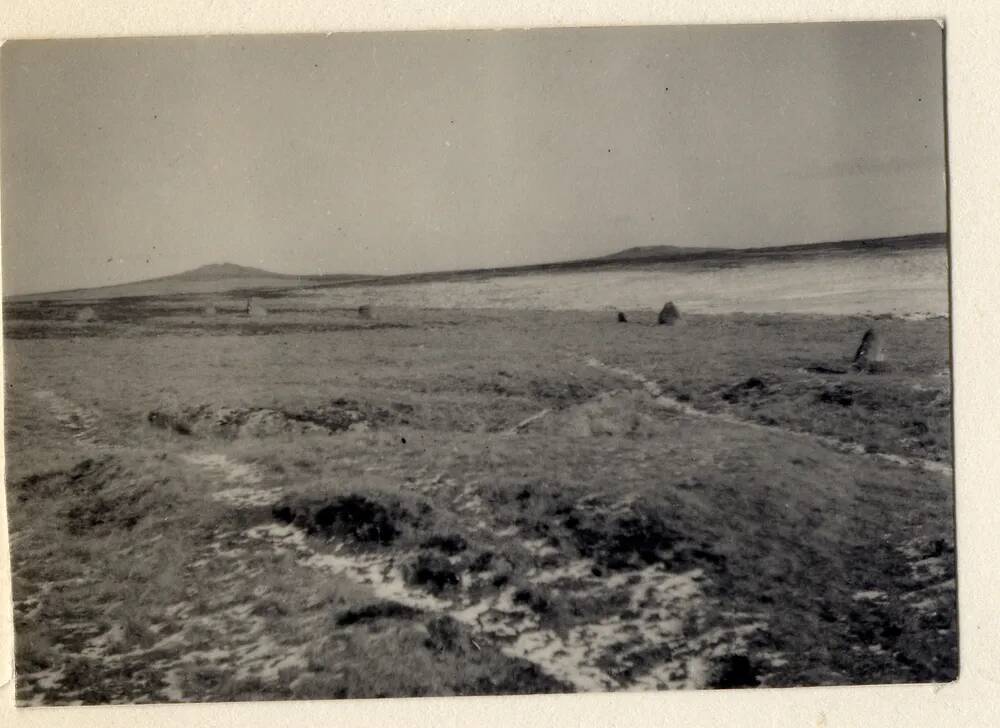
x=448, y=502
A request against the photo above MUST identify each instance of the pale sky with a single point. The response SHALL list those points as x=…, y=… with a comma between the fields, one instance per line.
x=401, y=152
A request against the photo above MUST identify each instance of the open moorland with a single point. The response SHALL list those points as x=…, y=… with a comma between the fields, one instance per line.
x=462, y=495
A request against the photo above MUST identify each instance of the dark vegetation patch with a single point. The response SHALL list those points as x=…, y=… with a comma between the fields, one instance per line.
x=242, y=294
x=444, y=634
x=337, y=416
x=918, y=642
x=434, y=657
x=534, y=598
x=85, y=478
x=372, y=612
x=432, y=571
x=733, y=671
x=17, y=331
x=358, y=518
x=86, y=679
x=880, y=414
x=450, y=544
x=268, y=328
x=117, y=309
x=183, y=322
x=751, y=388
x=905, y=631
x=839, y=395
x=635, y=538
x=139, y=309
x=825, y=369
x=341, y=413
x=628, y=662
x=97, y=495
x=551, y=391
x=482, y=562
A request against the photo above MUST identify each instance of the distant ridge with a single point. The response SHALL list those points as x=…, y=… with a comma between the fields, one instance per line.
x=637, y=257
x=233, y=278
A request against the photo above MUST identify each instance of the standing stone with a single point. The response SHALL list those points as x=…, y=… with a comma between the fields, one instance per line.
x=668, y=314
x=255, y=309
x=366, y=311
x=622, y=319
x=86, y=314
x=870, y=355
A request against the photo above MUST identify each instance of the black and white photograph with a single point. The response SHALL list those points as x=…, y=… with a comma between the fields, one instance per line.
x=492, y=362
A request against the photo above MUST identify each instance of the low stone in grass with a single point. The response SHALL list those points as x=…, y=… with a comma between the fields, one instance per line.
x=86, y=314
x=255, y=309
x=668, y=314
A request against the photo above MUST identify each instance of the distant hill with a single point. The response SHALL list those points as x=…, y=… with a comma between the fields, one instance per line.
x=225, y=271
x=656, y=251
x=207, y=279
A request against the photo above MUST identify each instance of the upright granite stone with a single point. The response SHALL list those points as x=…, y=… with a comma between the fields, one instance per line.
x=668, y=314
x=870, y=356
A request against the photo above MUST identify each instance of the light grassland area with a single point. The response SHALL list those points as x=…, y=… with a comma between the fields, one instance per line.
x=488, y=486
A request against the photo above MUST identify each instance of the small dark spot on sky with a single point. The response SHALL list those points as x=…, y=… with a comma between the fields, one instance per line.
x=919, y=99
x=154, y=116
x=315, y=65
x=609, y=151
x=666, y=88
x=109, y=260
